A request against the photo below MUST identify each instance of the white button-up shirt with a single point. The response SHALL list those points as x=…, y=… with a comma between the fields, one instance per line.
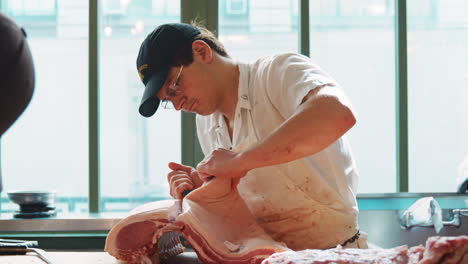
x=306, y=203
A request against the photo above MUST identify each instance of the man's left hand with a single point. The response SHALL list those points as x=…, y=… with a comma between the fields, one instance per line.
x=221, y=163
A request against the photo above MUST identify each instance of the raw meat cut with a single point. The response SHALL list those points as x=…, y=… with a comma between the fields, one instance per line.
x=213, y=219
x=438, y=250
x=398, y=255
x=446, y=250
x=415, y=254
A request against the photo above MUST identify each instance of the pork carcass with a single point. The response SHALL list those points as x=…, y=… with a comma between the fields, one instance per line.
x=214, y=220
x=438, y=250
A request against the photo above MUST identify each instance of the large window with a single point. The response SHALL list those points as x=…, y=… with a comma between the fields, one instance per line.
x=47, y=148
x=30, y=8
x=253, y=29
x=354, y=42
x=437, y=94
x=134, y=150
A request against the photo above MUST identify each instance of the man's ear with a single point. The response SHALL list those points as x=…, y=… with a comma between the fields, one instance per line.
x=202, y=51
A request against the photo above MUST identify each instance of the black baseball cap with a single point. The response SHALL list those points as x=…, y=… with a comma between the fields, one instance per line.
x=156, y=56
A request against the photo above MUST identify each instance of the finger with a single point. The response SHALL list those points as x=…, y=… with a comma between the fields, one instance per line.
x=172, y=180
x=185, y=186
x=178, y=181
x=181, y=187
x=177, y=166
x=176, y=173
x=172, y=174
x=196, y=178
x=180, y=176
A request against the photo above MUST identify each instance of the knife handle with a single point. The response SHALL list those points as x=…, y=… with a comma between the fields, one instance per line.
x=12, y=245
x=13, y=248
x=184, y=193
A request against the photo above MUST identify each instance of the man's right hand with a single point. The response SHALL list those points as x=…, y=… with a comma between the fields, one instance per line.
x=182, y=178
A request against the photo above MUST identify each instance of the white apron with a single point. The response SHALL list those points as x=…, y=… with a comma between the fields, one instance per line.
x=286, y=211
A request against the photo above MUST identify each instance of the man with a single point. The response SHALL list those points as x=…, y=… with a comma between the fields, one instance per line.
x=276, y=124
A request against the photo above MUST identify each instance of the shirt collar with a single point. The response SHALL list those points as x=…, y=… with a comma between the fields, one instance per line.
x=243, y=100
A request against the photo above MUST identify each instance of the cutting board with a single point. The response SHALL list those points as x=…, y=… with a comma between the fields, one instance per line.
x=86, y=258
x=61, y=257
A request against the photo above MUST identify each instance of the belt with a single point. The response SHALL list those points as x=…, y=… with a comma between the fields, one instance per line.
x=352, y=239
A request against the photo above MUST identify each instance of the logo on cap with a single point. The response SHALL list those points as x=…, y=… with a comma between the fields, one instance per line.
x=140, y=69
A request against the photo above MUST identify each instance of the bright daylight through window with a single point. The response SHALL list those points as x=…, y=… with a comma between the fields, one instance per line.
x=352, y=40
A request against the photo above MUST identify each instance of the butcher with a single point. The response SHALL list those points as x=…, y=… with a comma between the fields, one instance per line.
x=276, y=126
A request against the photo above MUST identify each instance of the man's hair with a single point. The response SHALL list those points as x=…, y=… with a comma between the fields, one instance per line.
x=185, y=56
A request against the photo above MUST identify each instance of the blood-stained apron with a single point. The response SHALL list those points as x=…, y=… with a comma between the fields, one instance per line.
x=293, y=210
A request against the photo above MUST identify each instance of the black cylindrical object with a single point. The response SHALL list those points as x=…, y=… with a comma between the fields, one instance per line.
x=16, y=72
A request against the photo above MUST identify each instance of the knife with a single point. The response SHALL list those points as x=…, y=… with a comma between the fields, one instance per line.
x=22, y=247
x=30, y=244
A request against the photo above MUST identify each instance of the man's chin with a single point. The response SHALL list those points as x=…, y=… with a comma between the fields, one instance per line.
x=202, y=113
x=193, y=112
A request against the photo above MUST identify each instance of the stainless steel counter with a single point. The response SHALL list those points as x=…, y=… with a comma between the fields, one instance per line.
x=383, y=228
x=380, y=217
x=61, y=223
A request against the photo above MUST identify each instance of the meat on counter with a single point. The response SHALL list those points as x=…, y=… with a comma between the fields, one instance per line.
x=217, y=224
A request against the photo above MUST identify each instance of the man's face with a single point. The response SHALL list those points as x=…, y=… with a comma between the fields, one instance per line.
x=188, y=88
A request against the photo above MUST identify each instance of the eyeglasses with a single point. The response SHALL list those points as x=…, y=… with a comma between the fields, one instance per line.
x=172, y=91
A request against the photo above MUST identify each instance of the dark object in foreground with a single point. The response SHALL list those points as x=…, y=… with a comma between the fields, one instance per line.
x=16, y=72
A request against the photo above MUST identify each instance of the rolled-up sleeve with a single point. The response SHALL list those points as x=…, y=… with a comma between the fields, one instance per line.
x=290, y=77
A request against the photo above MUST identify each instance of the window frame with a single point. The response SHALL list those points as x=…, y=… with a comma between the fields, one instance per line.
x=207, y=11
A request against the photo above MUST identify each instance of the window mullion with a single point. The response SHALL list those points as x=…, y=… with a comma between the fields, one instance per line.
x=93, y=82
x=401, y=96
x=304, y=37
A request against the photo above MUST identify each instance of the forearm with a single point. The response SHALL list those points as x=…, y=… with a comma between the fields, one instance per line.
x=315, y=125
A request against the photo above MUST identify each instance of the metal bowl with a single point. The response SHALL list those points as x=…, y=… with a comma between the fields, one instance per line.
x=32, y=197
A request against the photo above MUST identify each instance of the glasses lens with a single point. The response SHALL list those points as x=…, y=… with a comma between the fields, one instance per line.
x=167, y=104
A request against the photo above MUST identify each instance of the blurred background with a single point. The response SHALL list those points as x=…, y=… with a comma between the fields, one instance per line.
x=352, y=40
